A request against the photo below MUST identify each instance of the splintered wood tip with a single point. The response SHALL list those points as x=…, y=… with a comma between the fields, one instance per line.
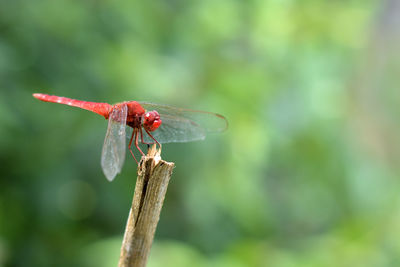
x=154, y=152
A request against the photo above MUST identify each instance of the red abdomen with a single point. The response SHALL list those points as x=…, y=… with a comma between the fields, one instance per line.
x=102, y=109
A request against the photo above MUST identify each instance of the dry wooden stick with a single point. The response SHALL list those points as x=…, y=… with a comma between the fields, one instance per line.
x=151, y=186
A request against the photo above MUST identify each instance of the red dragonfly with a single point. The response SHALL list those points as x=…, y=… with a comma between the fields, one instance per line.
x=150, y=123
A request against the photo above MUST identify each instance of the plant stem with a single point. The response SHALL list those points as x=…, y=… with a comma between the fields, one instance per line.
x=151, y=186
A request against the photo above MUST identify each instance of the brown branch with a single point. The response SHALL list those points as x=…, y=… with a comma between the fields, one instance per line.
x=151, y=186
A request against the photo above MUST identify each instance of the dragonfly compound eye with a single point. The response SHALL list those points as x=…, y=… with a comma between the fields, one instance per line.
x=151, y=120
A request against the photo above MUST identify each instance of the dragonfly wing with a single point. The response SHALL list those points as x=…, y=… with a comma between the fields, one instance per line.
x=113, y=153
x=183, y=125
x=176, y=129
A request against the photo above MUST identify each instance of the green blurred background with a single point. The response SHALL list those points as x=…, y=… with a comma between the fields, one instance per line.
x=306, y=175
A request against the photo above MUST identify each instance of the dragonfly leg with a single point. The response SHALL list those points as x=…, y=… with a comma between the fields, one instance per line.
x=137, y=142
x=148, y=132
x=141, y=139
x=134, y=133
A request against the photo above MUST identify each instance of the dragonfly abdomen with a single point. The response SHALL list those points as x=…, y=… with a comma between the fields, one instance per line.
x=102, y=109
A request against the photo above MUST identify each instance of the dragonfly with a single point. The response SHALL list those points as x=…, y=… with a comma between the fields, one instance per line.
x=149, y=124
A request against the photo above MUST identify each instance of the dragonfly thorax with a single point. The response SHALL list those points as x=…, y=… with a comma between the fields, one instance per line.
x=136, y=116
x=134, y=113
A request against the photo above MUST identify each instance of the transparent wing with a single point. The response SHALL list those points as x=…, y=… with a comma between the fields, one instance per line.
x=183, y=125
x=113, y=153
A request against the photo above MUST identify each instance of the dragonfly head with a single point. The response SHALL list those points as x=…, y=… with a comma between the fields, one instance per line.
x=151, y=120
